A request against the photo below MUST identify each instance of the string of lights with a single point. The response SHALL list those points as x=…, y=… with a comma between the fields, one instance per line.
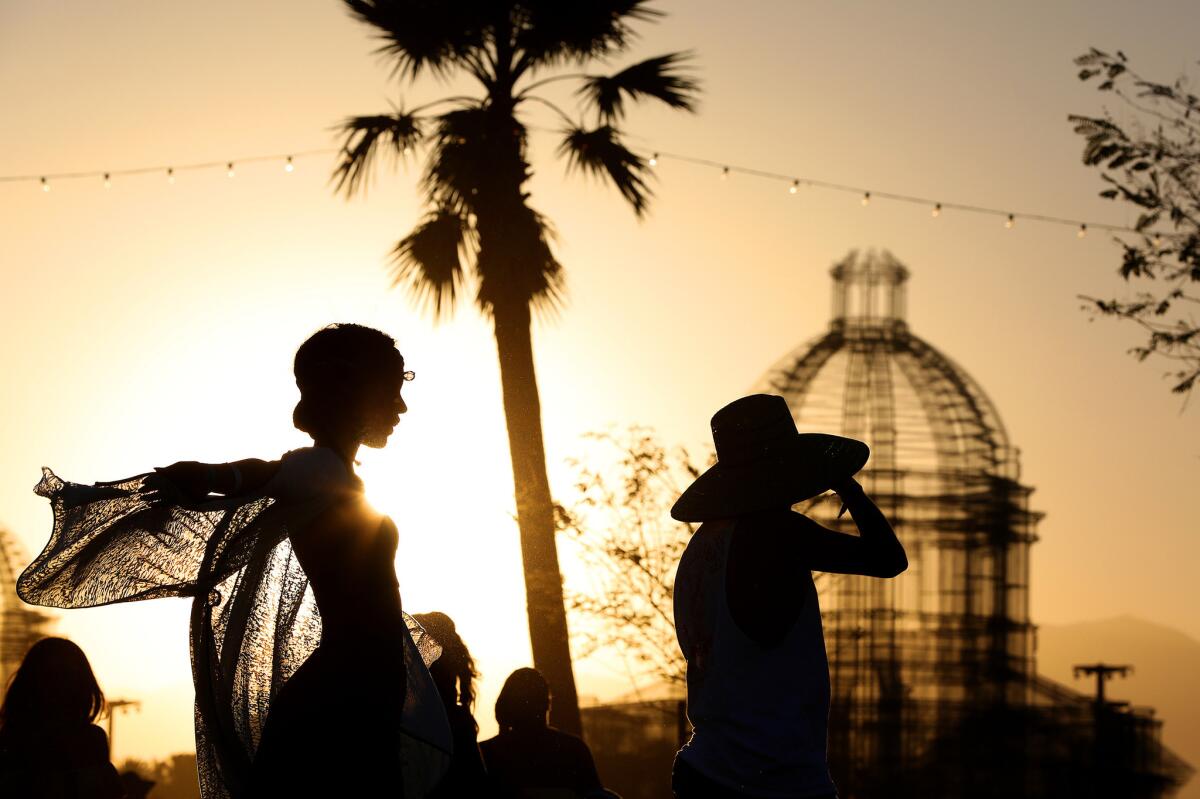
x=793, y=183
x=287, y=160
x=936, y=207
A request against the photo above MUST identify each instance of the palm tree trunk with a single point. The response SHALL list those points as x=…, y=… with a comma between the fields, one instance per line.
x=535, y=513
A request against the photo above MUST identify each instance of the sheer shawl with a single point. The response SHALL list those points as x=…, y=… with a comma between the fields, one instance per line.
x=254, y=620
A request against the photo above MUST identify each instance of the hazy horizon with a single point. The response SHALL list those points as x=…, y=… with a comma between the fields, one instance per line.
x=149, y=323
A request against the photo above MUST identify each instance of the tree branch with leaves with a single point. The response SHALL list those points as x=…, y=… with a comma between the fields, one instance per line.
x=619, y=523
x=1151, y=162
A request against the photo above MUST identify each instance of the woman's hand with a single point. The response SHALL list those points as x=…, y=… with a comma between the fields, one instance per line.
x=845, y=489
x=188, y=482
x=847, y=486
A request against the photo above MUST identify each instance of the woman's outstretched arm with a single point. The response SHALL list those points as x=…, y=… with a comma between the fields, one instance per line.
x=242, y=477
x=197, y=480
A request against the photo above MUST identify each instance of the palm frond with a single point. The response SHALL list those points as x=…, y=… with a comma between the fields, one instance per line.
x=428, y=34
x=660, y=77
x=600, y=152
x=516, y=264
x=398, y=132
x=552, y=32
x=429, y=262
x=456, y=158
x=473, y=149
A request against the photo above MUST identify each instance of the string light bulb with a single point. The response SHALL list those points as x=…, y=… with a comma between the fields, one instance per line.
x=654, y=160
x=866, y=198
x=171, y=175
x=1158, y=240
x=724, y=173
x=795, y=187
x=45, y=185
x=937, y=210
x=1082, y=230
x=289, y=166
x=1008, y=223
x=229, y=167
x=107, y=181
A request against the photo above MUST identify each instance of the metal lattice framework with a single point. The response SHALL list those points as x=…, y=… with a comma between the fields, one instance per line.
x=944, y=654
x=20, y=625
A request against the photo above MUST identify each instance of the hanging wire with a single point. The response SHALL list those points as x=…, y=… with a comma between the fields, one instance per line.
x=866, y=195
x=653, y=159
x=170, y=169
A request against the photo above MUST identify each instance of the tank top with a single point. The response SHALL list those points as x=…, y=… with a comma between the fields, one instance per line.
x=759, y=714
x=352, y=573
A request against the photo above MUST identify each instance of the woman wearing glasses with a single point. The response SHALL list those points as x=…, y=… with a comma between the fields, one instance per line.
x=310, y=679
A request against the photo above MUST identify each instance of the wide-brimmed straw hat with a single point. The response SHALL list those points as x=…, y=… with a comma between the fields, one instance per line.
x=763, y=462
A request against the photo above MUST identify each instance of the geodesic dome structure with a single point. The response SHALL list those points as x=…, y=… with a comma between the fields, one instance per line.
x=935, y=691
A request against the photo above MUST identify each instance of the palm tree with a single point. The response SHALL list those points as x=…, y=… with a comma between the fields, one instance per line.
x=480, y=230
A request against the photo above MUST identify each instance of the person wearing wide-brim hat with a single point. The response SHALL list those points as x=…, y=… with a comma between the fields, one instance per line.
x=746, y=611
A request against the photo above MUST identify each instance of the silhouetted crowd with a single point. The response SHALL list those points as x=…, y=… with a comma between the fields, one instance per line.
x=51, y=748
x=358, y=713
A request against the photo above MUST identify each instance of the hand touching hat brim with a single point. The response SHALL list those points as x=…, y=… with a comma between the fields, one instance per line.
x=810, y=465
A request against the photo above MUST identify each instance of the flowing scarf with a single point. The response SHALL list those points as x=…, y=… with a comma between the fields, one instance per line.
x=254, y=619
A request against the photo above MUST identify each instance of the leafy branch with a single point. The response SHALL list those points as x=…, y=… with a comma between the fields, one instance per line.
x=620, y=523
x=1152, y=163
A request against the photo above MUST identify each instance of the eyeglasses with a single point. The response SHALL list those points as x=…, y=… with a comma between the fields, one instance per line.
x=409, y=375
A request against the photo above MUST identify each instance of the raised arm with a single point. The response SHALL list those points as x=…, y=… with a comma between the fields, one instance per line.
x=197, y=480
x=875, y=552
x=242, y=477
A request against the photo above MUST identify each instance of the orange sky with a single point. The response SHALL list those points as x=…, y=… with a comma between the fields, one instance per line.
x=150, y=323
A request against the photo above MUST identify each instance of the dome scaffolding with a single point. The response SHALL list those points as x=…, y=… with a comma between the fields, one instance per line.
x=935, y=689
x=20, y=624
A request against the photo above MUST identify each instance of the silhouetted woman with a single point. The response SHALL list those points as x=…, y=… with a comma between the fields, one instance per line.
x=747, y=615
x=310, y=680
x=49, y=746
x=531, y=760
x=454, y=675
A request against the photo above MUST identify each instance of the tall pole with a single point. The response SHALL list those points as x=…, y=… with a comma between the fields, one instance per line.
x=113, y=706
x=1102, y=769
x=1103, y=673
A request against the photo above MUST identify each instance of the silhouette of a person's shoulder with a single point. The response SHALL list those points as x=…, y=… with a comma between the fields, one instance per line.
x=540, y=758
x=64, y=762
x=84, y=745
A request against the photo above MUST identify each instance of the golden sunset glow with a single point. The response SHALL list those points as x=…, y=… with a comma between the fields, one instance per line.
x=148, y=319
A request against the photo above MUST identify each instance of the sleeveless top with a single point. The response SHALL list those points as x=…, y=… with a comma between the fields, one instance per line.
x=351, y=573
x=759, y=714
x=254, y=614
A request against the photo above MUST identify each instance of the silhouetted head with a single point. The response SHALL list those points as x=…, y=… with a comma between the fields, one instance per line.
x=53, y=687
x=454, y=671
x=524, y=700
x=350, y=378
